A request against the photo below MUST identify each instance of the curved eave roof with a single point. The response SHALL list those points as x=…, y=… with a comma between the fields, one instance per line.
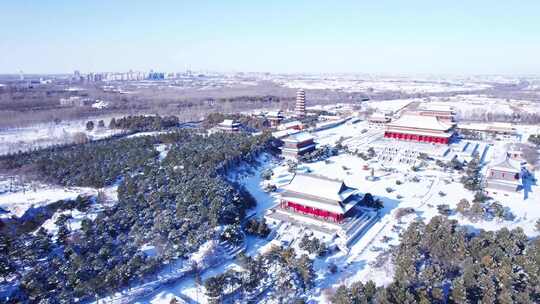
x=419, y=122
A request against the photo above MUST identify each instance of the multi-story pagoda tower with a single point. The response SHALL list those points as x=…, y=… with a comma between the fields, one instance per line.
x=300, y=107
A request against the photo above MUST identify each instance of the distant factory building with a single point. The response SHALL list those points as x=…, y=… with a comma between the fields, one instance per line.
x=300, y=107
x=229, y=125
x=297, y=145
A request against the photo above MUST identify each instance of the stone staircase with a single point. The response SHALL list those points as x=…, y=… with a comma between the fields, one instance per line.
x=353, y=230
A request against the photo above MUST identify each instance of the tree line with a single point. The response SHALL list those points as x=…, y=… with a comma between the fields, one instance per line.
x=93, y=164
x=144, y=123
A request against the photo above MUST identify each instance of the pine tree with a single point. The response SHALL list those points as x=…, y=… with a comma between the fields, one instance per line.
x=458, y=294
x=489, y=293
x=463, y=206
x=505, y=297
x=112, y=124
x=472, y=178
x=89, y=125
x=305, y=267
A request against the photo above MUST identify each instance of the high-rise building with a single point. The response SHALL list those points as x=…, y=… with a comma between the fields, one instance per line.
x=300, y=107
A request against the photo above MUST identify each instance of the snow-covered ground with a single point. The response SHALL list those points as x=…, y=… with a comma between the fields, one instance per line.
x=108, y=197
x=43, y=135
x=380, y=84
x=37, y=195
x=482, y=106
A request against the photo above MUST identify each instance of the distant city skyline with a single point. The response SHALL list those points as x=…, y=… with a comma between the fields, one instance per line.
x=387, y=37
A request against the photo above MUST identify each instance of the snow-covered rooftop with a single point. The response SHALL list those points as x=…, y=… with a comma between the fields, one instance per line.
x=290, y=124
x=275, y=114
x=507, y=165
x=501, y=126
x=284, y=133
x=320, y=186
x=379, y=116
x=436, y=107
x=299, y=137
x=420, y=122
x=229, y=123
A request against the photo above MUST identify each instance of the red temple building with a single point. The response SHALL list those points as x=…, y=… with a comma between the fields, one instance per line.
x=319, y=197
x=420, y=128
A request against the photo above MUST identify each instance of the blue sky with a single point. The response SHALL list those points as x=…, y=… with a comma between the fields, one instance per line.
x=407, y=37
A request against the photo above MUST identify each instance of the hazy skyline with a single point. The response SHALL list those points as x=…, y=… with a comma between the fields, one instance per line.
x=407, y=37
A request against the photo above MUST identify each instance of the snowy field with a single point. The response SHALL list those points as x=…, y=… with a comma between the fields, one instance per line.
x=379, y=85
x=43, y=135
x=35, y=195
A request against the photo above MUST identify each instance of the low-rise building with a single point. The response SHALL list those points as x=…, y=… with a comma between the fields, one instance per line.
x=295, y=125
x=75, y=101
x=443, y=113
x=378, y=120
x=516, y=152
x=488, y=131
x=229, y=125
x=504, y=176
x=275, y=118
x=297, y=145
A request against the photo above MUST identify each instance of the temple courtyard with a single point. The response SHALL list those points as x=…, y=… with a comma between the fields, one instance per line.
x=407, y=195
